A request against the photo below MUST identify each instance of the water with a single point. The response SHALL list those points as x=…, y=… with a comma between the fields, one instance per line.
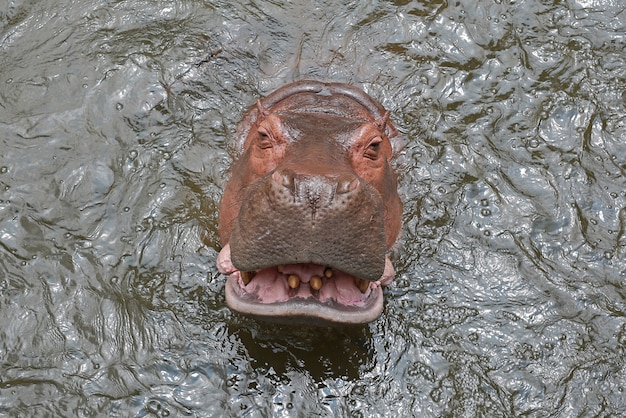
x=116, y=119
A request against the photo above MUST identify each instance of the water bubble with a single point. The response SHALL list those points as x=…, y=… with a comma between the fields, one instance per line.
x=608, y=255
x=533, y=143
x=485, y=212
x=119, y=106
x=4, y=169
x=133, y=154
x=487, y=233
x=484, y=202
x=126, y=209
x=154, y=407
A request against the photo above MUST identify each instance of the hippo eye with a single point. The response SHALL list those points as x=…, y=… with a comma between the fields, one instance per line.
x=264, y=138
x=373, y=149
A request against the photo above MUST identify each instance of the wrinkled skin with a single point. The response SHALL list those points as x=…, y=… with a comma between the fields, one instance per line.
x=311, y=208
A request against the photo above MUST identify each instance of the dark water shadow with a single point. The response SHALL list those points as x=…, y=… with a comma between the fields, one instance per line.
x=324, y=352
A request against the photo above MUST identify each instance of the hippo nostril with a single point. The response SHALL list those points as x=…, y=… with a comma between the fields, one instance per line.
x=348, y=184
x=283, y=177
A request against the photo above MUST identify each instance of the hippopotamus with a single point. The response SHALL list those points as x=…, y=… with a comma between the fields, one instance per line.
x=311, y=208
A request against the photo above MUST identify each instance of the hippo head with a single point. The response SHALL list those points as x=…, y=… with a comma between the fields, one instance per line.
x=311, y=207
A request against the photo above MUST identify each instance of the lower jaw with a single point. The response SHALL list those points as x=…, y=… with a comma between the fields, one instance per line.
x=303, y=310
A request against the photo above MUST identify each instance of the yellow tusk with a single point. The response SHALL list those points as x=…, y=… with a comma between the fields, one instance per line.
x=315, y=283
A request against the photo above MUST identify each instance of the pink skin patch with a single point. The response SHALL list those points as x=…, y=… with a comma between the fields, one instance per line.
x=336, y=298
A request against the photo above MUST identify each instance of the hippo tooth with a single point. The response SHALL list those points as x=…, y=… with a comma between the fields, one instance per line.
x=315, y=282
x=294, y=281
x=246, y=276
x=363, y=285
x=328, y=272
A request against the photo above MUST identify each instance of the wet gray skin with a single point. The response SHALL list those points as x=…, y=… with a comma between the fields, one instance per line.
x=306, y=220
x=118, y=123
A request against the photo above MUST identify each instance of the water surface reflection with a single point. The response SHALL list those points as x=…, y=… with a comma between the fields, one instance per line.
x=116, y=119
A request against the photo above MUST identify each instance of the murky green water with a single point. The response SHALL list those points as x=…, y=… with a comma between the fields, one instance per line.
x=115, y=120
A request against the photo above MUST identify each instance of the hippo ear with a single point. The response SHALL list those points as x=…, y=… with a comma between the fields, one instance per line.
x=262, y=112
x=382, y=121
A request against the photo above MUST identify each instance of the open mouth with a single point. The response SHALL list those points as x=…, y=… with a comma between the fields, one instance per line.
x=304, y=290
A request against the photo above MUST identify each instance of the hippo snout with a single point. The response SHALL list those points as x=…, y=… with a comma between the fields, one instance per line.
x=293, y=218
x=314, y=192
x=329, y=185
